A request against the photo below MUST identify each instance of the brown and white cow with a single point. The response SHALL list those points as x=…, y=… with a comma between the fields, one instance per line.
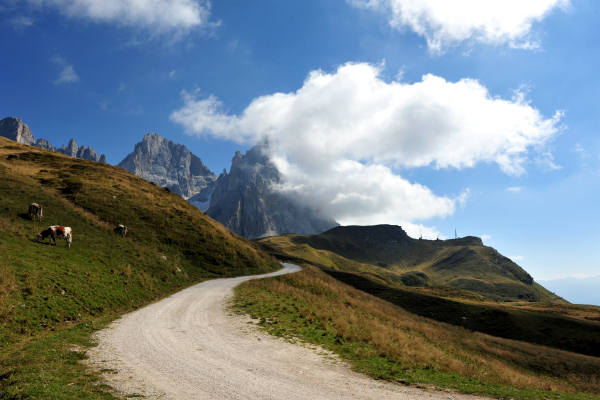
x=121, y=230
x=35, y=212
x=56, y=231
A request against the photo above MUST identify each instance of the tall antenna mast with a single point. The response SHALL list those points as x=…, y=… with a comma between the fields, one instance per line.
x=455, y=235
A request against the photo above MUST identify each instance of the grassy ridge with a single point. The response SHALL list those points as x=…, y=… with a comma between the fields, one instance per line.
x=55, y=295
x=387, y=342
x=463, y=264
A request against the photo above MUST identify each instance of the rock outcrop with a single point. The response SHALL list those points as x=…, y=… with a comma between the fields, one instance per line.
x=44, y=144
x=246, y=202
x=172, y=165
x=17, y=130
x=86, y=152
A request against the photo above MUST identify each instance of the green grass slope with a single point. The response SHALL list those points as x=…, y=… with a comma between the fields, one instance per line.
x=52, y=297
x=464, y=263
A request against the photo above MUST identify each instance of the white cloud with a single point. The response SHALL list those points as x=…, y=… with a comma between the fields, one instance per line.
x=172, y=74
x=446, y=23
x=161, y=16
x=67, y=73
x=485, y=238
x=517, y=258
x=514, y=189
x=337, y=139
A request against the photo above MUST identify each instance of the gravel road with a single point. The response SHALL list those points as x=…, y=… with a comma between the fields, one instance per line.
x=187, y=346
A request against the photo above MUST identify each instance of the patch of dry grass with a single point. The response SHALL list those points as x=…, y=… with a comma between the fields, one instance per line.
x=366, y=330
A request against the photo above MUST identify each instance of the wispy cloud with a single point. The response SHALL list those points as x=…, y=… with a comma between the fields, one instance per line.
x=157, y=16
x=67, y=73
x=446, y=23
x=21, y=22
x=514, y=189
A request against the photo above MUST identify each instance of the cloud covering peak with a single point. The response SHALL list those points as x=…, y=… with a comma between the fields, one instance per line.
x=338, y=139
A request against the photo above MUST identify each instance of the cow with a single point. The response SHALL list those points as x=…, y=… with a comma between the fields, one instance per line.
x=56, y=231
x=35, y=212
x=121, y=230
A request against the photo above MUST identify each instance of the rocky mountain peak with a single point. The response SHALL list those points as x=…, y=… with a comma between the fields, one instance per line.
x=246, y=202
x=15, y=129
x=44, y=144
x=71, y=149
x=172, y=165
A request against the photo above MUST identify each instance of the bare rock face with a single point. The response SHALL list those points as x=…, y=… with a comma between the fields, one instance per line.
x=44, y=144
x=85, y=152
x=70, y=149
x=245, y=201
x=15, y=129
x=172, y=165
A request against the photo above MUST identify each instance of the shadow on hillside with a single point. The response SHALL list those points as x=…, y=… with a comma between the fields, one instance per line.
x=43, y=243
x=24, y=216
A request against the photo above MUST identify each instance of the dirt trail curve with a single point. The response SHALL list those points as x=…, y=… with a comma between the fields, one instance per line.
x=188, y=347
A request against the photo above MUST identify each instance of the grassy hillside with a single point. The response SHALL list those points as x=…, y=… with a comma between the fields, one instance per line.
x=52, y=297
x=463, y=264
x=562, y=331
x=557, y=324
x=388, y=342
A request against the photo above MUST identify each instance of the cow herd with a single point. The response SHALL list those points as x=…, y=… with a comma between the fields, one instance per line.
x=35, y=212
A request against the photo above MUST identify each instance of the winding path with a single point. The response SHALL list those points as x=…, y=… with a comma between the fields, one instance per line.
x=188, y=347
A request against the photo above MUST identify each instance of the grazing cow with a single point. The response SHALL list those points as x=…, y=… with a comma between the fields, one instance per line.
x=121, y=230
x=35, y=212
x=56, y=231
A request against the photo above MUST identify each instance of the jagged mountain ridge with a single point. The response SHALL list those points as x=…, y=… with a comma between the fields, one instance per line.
x=245, y=201
x=15, y=129
x=172, y=165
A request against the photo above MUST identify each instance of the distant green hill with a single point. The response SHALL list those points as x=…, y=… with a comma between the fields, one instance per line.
x=49, y=292
x=464, y=263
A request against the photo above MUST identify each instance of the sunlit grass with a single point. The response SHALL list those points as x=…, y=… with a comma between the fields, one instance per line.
x=51, y=295
x=386, y=342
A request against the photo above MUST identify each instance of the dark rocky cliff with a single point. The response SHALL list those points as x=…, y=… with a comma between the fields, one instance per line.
x=245, y=201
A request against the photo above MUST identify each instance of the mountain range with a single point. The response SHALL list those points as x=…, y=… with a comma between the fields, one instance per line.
x=15, y=129
x=244, y=199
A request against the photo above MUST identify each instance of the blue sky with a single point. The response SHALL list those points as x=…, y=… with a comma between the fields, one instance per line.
x=195, y=72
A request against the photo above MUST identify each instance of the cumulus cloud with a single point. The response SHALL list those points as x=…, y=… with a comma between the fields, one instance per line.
x=446, y=23
x=338, y=139
x=159, y=16
x=67, y=73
